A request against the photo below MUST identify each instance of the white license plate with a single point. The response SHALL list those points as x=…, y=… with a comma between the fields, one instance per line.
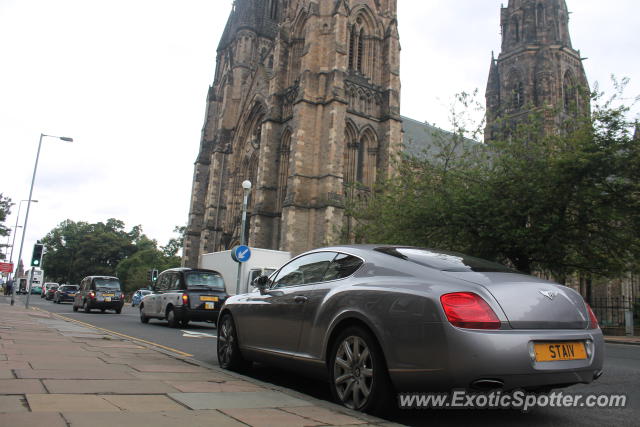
x=107, y=299
x=209, y=305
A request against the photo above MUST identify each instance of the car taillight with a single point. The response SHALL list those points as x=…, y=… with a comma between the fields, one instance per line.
x=468, y=310
x=185, y=299
x=593, y=320
x=92, y=295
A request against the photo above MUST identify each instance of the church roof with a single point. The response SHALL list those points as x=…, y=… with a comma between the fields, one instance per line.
x=420, y=139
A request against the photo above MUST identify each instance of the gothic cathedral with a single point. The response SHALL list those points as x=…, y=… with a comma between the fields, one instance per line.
x=537, y=68
x=305, y=103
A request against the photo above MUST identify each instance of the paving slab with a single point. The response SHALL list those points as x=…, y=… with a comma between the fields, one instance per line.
x=28, y=419
x=214, y=386
x=144, y=403
x=74, y=374
x=173, y=367
x=269, y=417
x=20, y=386
x=14, y=364
x=6, y=374
x=69, y=402
x=325, y=416
x=128, y=386
x=157, y=419
x=186, y=376
x=261, y=399
x=15, y=403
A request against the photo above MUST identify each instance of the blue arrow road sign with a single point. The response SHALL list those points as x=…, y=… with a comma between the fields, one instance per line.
x=241, y=253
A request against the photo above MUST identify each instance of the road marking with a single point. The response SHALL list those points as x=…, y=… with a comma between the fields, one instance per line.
x=193, y=334
x=181, y=353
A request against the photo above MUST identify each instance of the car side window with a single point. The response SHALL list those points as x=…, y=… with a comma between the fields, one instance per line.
x=174, y=282
x=305, y=270
x=342, y=266
x=163, y=282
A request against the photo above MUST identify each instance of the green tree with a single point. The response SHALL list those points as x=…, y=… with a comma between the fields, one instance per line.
x=175, y=245
x=78, y=249
x=133, y=270
x=542, y=201
x=5, y=210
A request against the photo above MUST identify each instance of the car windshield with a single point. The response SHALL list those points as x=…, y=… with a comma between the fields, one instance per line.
x=445, y=261
x=108, y=284
x=69, y=288
x=204, y=279
x=145, y=292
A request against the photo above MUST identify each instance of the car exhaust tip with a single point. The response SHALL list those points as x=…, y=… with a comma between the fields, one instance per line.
x=487, y=385
x=597, y=374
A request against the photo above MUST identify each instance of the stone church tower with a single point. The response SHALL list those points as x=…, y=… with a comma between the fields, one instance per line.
x=305, y=102
x=537, y=68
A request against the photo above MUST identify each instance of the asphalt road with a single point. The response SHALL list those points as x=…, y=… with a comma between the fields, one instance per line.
x=622, y=375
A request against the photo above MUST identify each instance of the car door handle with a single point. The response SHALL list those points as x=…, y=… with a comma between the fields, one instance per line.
x=300, y=299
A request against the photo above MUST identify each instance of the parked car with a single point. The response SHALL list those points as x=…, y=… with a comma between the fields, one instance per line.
x=65, y=293
x=44, y=288
x=36, y=290
x=101, y=292
x=182, y=295
x=138, y=295
x=51, y=291
x=378, y=319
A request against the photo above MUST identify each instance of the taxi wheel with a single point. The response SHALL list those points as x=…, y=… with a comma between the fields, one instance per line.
x=143, y=318
x=86, y=306
x=75, y=307
x=118, y=310
x=358, y=374
x=171, y=318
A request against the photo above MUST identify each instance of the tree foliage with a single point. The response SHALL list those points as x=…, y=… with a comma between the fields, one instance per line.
x=561, y=202
x=5, y=210
x=78, y=249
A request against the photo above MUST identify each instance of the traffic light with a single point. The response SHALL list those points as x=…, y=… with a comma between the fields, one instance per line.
x=149, y=275
x=36, y=258
x=154, y=275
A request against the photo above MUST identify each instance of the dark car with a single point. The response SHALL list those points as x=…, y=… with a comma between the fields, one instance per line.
x=182, y=295
x=51, y=291
x=99, y=292
x=378, y=319
x=65, y=293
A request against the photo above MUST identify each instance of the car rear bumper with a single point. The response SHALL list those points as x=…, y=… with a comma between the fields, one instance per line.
x=469, y=359
x=192, y=315
x=111, y=305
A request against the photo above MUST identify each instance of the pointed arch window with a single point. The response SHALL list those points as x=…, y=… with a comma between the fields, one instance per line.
x=569, y=93
x=359, y=47
x=273, y=9
x=540, y=15
x=515, y=24
x=283, y=170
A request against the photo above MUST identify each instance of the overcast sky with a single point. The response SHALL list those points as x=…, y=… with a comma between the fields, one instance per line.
x=127, y=80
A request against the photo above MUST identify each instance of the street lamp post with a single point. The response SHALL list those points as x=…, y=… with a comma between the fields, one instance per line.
x=246, y=187
x=26, y=218
x=13, y=245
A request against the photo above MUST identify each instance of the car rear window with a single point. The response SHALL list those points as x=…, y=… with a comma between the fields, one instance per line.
x=444, y=260
x=111, y=284
x=204, y=279
x=69, y=288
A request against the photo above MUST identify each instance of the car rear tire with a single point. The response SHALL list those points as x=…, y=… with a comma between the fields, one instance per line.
x=229, y=356
x=171, y=318
x=143, y=318
x=358, y=374
x=86, y=307
x=118, y=310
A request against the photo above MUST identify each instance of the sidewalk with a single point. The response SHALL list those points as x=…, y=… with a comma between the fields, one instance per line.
x=58, y=373
x=633, y=340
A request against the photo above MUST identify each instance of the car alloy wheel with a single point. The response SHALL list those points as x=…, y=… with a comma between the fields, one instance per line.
x=229, y=356
x=359, y=377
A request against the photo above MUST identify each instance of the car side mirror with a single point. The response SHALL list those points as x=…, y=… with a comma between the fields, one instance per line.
x=261, y=283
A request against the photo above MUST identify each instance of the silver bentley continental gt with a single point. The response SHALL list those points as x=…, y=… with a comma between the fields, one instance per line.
x=376, y=320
